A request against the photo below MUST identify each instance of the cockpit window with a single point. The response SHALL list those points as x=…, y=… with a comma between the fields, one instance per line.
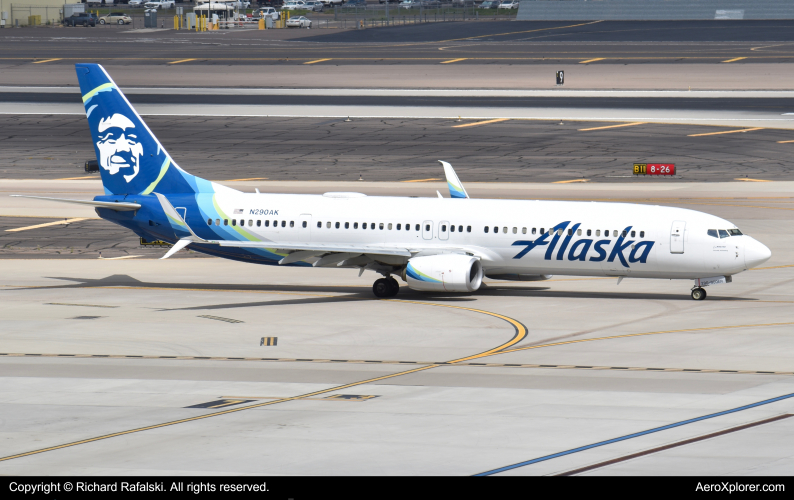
x=734, y=232
x=713, y=233
x=723, y=233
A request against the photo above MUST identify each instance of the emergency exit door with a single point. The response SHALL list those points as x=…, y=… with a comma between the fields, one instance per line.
x=677, y=236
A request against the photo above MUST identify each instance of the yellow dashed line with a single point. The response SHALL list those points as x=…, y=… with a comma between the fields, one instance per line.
x=317, y=61
x=56, y=223
x=784, y=142
x=745, y=179
x=251, y=179
x=481, y=123
x=570, y=181
x=611, y=126
x=727, y=132
x=181, y=61
x=453, y=60
x=591, y=60
x=46, y=61
x=422, y=180
x=734, y=59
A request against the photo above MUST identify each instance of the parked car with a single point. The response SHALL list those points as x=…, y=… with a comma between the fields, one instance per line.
x=356, y=3
x=136, y=3
x=81, y=19
x=160, y=4
x=333, y=2
x=487, y=4
x=267, y=12
x=509, y=4
x=314, y=5
x=409, y=4
x=299, y=22
x=115, y=18
x=294, y=5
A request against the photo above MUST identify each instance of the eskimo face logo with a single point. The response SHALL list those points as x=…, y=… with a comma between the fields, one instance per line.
x=118, y=145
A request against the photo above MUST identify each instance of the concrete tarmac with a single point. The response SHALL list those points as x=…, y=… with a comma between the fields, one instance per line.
x=353, y=385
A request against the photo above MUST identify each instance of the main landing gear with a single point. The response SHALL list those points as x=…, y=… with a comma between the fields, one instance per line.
x=385, y=287
x=698, y=293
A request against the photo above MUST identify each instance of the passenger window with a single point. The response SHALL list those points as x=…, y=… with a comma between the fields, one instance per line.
x=319, y=224
x=534, y=231
x=225, y=222
x=460, y=229
x=283, y=223
x=267, y=223
x=363, y=225
x=259, y=223
x=623, y=234
x=598, y=232
x=217, y=222
x=347, y=225
x=250, y=223
x=504, y=230
x=328, y=225
x=578, y=232
x=614, y=233
x=451, y=229
x=723, y=233
x=304, y=224
x=389, y=226
x=486, y=229
x=336, y=225
x=443, y=228
x=589, y=232
x=523, y=230
x=292, y=223
x=633, y=233
x=559, y=232
x=542, y=230
x=417, y=227
x=468, y=229
x=372, y=225
x=381, y=226
x=515, y=230
x=642, y=234
x=355, y=225
x=399, y=226
x=495, y=229
x=234, y=222
x=570, y=231
x=427, y=227
x=209, y=222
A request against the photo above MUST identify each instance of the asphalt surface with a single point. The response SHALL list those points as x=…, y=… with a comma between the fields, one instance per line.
x=775, y=104
x=495, y=42
x=51, y=147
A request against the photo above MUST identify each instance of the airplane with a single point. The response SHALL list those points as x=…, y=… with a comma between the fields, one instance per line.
x=432, y=244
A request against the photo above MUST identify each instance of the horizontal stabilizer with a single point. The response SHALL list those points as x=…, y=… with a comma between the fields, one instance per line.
x=121, y=206
x=179, y=245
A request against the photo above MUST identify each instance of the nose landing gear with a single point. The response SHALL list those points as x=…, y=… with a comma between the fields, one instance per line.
x=385, y=287
x=698, y=293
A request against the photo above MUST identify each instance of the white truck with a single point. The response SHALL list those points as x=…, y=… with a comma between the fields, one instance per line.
x=160, y=4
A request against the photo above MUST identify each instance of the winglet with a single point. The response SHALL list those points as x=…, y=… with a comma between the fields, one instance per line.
x=176, y=220
x=456, y=189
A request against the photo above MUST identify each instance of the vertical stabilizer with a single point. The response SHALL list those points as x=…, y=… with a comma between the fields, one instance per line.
x=131, y=159
x=456, y=189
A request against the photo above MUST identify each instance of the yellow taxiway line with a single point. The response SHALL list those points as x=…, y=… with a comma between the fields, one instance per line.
x=453, y=60
x=46, y=61
x=422, y=180
x=474, y=124
x=47, y=224
x=734, y=59
x=181, y=61
x=316, y=61
x=745, y=179
x=570, y=181
x=611, y=126
x=727, y=132
x=591, y=60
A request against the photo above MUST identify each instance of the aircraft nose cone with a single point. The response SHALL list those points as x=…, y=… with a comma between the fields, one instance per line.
x=755, y=253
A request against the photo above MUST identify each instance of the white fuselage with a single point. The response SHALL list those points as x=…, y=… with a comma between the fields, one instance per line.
x=673, y=243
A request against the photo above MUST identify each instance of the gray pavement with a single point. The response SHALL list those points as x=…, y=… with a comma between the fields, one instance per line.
x=425, y=422
x=330, y=149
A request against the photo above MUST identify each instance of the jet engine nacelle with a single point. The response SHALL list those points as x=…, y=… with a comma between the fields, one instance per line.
x=444, y=273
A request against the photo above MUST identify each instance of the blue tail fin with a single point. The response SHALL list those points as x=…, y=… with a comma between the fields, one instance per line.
x=131, y=159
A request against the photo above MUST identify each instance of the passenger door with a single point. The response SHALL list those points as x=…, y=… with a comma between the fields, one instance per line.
x=677, y=232
x=443, y=230
x=304, y=230
x=427, y=230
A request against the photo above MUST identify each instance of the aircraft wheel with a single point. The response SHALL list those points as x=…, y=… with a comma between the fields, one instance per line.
x=395, y=287
x=699, y=294
x=382, y=288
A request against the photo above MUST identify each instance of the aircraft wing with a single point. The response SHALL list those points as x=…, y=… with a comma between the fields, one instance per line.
x=315, y=247
x=456, y=189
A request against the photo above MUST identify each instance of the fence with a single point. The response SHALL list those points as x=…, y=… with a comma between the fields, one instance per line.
x=645, y=10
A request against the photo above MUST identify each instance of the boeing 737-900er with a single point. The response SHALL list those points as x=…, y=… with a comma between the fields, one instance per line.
x=432, y=244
